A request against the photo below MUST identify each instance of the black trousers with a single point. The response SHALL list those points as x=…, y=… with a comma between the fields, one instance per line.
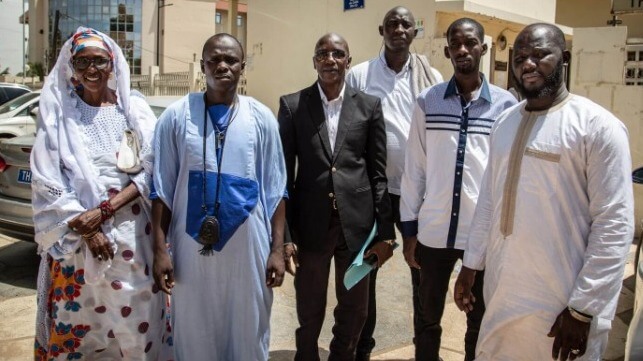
x=311, y=285
x=366, y=341
x=437, y=265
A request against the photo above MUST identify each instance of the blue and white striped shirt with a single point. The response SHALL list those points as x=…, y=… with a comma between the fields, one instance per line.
x=445, y=160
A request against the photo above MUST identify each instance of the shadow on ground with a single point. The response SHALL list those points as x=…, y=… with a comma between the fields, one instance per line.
x=18, y=269
x=289, y=355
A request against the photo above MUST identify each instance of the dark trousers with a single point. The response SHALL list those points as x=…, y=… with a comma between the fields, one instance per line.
x=311, y=284
x=437, y=265
x=366, y=341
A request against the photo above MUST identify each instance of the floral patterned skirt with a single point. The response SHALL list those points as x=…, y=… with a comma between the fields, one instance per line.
x=121, y=314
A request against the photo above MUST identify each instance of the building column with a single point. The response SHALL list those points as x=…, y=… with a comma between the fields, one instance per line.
x=232, y=17
x=154, y=70
x=193, y=76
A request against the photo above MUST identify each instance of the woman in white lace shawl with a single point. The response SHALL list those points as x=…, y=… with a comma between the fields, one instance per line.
x=95, y=286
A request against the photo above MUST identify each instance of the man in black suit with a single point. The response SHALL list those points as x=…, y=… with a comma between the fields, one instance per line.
x=334, y=142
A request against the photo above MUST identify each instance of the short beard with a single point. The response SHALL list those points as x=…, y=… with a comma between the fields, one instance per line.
x=472, y=68
x=552, y=83
x=469, y=70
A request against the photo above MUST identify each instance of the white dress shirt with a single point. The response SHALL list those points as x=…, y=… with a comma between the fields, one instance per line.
x=374, y=77
x=332, y=110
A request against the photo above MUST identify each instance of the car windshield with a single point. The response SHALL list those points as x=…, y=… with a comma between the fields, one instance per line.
x=17, y=102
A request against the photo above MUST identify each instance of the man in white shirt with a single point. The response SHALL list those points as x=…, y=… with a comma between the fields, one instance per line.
x=554, y=219
x=445, y=161
x=397, y=77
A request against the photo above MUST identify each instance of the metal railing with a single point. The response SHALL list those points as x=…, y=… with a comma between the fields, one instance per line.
x=175, y=84
x=241, y=87
x=200, y=82
x=33, y=82
x=172, y=83
x=142, y=84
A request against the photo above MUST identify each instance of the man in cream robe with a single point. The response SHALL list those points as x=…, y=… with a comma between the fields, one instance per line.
x=554, y=220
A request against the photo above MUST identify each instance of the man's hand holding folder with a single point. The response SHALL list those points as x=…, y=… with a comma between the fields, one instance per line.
x=380, y=253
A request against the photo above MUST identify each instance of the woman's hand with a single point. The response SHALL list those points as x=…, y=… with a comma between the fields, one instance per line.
x=86, y=222
x=99, y=246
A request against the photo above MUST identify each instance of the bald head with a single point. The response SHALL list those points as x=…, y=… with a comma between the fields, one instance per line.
x=332, y=38
x=463, y=22
x=398, y=10
x=222, y=38
x=550, y=32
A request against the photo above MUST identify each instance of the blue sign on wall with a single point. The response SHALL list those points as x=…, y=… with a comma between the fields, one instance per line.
x=353, y=4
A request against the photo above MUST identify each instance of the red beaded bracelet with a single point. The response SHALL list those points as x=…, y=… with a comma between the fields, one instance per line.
x=106, y=210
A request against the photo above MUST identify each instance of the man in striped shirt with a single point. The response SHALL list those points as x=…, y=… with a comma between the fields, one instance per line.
x=445, y=160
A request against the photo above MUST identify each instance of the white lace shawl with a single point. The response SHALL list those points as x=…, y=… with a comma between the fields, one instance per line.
x=63, y=180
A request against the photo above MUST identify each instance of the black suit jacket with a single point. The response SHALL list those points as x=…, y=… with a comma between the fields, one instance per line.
x=354, y=173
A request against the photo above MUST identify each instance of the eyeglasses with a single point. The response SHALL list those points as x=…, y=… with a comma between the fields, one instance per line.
x=320, y=55
x=82, y=63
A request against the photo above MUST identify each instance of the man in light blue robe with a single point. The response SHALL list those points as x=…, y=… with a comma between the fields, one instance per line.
x=221, y=296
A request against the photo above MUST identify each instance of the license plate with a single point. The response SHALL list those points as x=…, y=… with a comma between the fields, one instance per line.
x=24, y=176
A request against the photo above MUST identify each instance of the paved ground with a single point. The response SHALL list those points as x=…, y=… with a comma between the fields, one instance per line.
x=18, y=268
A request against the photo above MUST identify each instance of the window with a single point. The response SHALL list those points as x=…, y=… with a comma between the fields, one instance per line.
x=633, y=72
x=120, y=19
x=15, y=92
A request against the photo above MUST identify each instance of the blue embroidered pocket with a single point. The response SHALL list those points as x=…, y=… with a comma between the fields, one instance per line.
x=238, y=197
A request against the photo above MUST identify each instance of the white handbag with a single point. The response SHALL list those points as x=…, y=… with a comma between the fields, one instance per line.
x=128, y=160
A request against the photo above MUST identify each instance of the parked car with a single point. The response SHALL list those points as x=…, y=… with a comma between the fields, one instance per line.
x=15, y=187
x=15, y=176
x=18, y=116
x=10, y=91
x=158, y=103
x=634, y=343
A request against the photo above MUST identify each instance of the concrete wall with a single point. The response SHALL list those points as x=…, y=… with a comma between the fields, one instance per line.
x=242, y=31
x=544, y=10
x=186, y=26
x=598, y=56
x=282, y=35
x=595, y=13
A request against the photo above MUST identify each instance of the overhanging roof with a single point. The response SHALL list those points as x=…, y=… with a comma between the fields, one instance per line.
x=468, y=6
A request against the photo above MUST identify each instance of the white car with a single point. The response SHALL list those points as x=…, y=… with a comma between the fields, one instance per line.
x=15, y=187
x=634, y=344
x=18, y=116
x=9, y=91
x=158, y=103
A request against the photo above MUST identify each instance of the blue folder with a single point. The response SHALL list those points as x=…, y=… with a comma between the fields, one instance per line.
x=360, y=268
